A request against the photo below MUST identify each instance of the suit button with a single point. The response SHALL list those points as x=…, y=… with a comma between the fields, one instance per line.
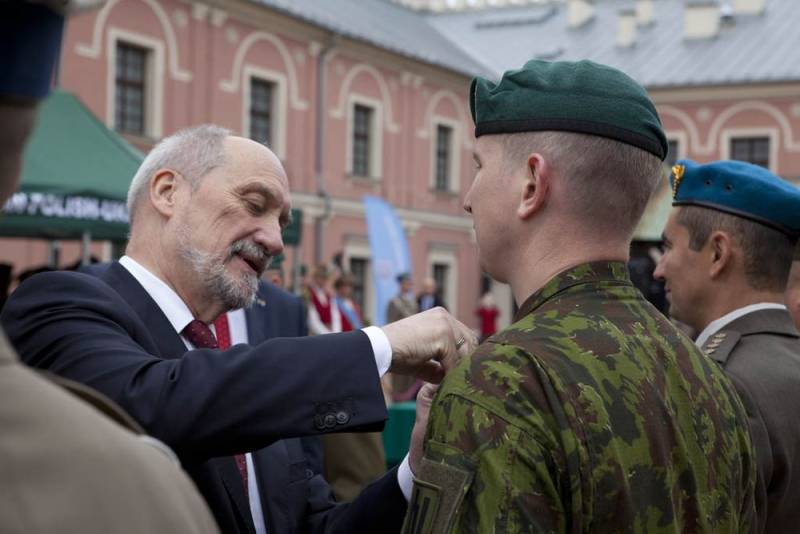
x=342, y=417
x=319, y=423
x=330, y=420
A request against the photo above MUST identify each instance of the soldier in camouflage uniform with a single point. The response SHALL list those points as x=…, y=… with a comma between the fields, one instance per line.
x=591, y=412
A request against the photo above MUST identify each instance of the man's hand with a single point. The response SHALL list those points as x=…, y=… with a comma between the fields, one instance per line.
x=415, y=449
x=428, y=344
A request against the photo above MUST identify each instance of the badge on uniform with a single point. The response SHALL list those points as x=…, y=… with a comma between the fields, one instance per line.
x=439, y=489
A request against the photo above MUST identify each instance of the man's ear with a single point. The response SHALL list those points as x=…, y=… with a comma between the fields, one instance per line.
x=536, y=187
x=163, y=189
x=720, y=250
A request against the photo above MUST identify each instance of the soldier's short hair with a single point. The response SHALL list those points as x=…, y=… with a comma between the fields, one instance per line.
x=610, y=181
x=767, y=252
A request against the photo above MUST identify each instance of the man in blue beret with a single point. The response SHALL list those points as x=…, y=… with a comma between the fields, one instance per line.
x=591, y=412
x=729, y=242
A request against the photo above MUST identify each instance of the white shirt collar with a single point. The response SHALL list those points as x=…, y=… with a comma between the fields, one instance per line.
x=171, y=304
x=719, y=324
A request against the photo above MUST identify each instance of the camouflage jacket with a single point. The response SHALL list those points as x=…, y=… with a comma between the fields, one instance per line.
x=591, y=413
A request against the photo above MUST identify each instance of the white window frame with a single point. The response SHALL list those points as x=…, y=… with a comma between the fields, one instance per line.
x=154, y=78
x=358, y=247
x=453, y=178
x=737, y=133
x=376, y=130
x=280, y=105
x=446, y=255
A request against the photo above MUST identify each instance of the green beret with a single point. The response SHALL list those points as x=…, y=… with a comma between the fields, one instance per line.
x=740, y=189
x=583, y=97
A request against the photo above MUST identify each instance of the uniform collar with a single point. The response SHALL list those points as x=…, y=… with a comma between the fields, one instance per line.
x=718, y=324
x=585, y=273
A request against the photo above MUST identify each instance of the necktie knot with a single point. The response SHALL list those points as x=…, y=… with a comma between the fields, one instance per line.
x=200, y=335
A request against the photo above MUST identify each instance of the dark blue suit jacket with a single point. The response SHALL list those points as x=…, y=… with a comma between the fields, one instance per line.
x=307, y=504
x=206, y=404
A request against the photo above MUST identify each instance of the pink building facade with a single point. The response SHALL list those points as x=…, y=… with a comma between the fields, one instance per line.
x=350, y=117
x=203, y=61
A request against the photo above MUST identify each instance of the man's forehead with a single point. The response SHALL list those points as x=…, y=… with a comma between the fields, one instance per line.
x=247, y=160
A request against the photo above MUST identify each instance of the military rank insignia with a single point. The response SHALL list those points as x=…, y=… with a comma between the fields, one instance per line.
x=677, y=176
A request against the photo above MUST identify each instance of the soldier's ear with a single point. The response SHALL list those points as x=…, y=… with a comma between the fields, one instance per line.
x=536, y=186
x=720, y=251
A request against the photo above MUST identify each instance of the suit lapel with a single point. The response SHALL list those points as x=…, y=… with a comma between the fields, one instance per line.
x=168, y=341
x=260, y=320
x=271, y=466
x=229, y=474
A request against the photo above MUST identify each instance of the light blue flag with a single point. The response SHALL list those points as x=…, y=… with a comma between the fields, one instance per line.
x=389, y=247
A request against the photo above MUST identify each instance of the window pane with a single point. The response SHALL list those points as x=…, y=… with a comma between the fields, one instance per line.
x=362, y=123
x=754, y=150
x=130, y=93
x=358, y=270
x=443, y=136
x=441, y=272
x=261, y=106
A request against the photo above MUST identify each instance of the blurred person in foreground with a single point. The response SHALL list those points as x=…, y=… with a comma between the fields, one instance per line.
x=591, y=412
x=71, y=461
x=206, y=212
x=728, y=247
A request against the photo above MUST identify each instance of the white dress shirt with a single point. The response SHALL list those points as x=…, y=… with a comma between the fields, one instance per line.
x=179, y=315
x=718, y=324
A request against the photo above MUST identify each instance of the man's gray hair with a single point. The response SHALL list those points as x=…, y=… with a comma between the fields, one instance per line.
x=193, y=152
x=610, y=182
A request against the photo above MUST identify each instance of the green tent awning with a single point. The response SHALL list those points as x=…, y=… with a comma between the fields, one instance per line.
x=75, y=177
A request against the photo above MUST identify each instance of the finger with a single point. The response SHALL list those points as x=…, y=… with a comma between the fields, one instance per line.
x=468, y=333
x=426, y=393
x=430, y=371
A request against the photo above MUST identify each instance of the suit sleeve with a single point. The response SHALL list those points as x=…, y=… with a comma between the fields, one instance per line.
x=380, y=507
x=208, y=402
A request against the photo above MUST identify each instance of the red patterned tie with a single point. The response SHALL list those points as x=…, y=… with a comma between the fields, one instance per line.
x=201, y=336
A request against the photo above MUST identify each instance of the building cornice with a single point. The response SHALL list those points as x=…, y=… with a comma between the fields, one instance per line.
x=313, y=206
x=729, y=92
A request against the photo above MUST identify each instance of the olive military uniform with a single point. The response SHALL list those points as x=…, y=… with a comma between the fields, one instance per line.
x=758, y=347
x=591, y=413
x=760, y=352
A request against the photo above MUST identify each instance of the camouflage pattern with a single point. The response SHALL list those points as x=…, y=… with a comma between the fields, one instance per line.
x=591, y=413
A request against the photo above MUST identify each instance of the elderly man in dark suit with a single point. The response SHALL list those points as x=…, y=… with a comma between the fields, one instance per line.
x=70, y=460
x=729, y=243
x=207, y=210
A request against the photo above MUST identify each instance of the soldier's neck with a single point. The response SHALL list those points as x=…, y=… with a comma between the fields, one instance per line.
x=732, y=299
x=543, y=264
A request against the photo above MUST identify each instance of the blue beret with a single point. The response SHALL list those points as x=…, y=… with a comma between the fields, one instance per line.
x=738, y=188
